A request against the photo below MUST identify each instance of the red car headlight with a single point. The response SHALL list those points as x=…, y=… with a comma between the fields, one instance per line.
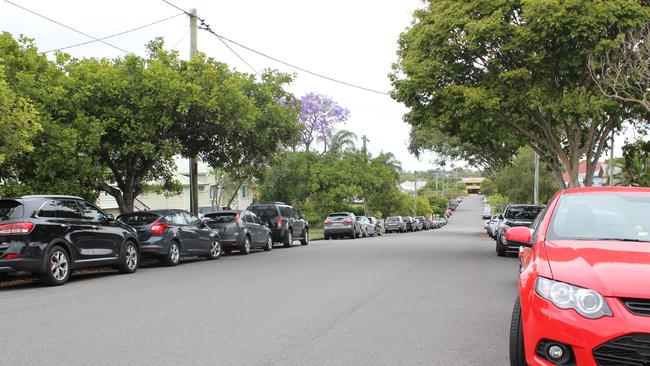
x=585, y=302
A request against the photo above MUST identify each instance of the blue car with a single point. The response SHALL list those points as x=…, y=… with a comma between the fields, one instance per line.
x=170, y=235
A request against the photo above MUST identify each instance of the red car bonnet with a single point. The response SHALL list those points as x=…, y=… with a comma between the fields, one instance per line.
x=613, y=268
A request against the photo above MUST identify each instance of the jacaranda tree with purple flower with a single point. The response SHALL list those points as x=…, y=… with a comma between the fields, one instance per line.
x=319, y=114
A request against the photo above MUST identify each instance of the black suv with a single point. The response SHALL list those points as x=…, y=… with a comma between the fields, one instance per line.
x=53, y=235
x=286, y=223
x=514, y=215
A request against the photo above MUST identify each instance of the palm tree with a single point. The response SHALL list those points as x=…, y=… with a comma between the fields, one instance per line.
x=390, y=160
x=342, y=141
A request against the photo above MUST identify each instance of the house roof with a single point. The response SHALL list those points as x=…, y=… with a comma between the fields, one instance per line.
x=582, y=171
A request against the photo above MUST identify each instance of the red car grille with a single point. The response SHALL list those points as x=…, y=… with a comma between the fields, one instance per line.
x=638, y=306
x=632, y=350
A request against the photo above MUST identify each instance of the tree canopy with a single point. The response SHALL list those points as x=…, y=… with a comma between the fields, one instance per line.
x=485, y=71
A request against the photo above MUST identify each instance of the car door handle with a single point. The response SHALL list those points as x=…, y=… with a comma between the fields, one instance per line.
x=95, y=227
x=65, y=226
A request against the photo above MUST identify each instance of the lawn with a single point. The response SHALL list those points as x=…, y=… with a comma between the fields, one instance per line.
x=315, y=234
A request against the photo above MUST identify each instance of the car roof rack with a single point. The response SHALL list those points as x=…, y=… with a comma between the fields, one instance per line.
x=51, y=196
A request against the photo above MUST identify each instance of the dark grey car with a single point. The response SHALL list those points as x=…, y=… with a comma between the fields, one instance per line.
x=241, y=231
x=169, y=235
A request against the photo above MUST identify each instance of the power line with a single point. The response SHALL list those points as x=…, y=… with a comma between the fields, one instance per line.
x=205, y=26
x=66, y=26
x=117, y=34
x=225, y=39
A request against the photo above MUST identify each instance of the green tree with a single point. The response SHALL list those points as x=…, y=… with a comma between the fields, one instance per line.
x=484, y=70
x=63, y=161
x=18, y=122
x=516, y=181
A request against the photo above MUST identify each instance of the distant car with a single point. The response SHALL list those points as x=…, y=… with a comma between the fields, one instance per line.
x=411, y=223
x=367, y=227
x=341, y=224
x=209, y=209
x=487, y=212
x=170, y=235
x=493, y=224
x=376, y=224
x=286, y=223
x=395, y=224
x=240, y=230
x=51, y=236
x=425, y=223
x=514, y=215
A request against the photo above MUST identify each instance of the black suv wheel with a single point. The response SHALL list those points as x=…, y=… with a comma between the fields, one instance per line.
x=57, y=267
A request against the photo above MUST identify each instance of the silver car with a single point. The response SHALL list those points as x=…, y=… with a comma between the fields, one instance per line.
x=395, y=224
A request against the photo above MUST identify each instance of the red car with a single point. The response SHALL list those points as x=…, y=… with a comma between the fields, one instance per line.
x=584, y=289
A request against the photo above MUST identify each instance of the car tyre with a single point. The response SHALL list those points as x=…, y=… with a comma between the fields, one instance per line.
x=269, y=244
x=57, y=267
x=130, y=258
x=501, y=250
x=246, y=246
x=517, y=352
x=305, y=237
x=173, y=257
x=288, y=240
x=326, y=237
x=215, y=250
x=354, y=234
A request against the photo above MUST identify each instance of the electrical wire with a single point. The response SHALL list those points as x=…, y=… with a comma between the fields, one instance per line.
x=117, y=34
x=206, y=27
x=66, y=26
x=225, y=39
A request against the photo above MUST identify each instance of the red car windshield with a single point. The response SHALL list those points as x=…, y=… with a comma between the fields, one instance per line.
x=601, y=216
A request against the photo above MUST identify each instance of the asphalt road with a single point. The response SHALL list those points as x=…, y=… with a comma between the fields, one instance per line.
x=438, y=297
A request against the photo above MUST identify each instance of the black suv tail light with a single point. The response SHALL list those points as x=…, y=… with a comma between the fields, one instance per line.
x=16, y=228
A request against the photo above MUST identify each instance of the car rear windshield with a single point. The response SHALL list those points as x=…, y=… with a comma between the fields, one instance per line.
x=10, y=209
x=528, y=213
x=602, y=216
x=222, y=217
x=393, y=218
x=140, y=218
x=338, y=216
x=264, y=212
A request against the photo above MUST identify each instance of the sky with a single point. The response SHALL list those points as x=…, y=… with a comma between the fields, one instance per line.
x=354, y=41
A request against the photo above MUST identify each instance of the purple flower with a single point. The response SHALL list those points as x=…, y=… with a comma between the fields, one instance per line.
x=319, y=114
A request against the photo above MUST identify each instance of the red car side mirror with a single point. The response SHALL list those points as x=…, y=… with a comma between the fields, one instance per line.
x=519, y=235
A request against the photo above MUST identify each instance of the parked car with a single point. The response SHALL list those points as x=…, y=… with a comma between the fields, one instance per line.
x=494, y=226
x=240, y=230
x=411, y=224
x=203, y=210
x=50, y=236
x=487, y=211
x=424, y=222
x=489, y=223
x=395, y=224
x=584, y=292
x=341, y=224
x=367, y=227
x=441, y=221
x=514, y=215
x=286, y=223
x=377, y=226
x=170, y=235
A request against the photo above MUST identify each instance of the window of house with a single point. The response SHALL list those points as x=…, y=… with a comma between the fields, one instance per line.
x=245, y=192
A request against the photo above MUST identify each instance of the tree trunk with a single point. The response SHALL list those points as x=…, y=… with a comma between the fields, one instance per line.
x=232, y=198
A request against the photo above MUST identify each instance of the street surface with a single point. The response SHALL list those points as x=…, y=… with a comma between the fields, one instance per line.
x=439, y=297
